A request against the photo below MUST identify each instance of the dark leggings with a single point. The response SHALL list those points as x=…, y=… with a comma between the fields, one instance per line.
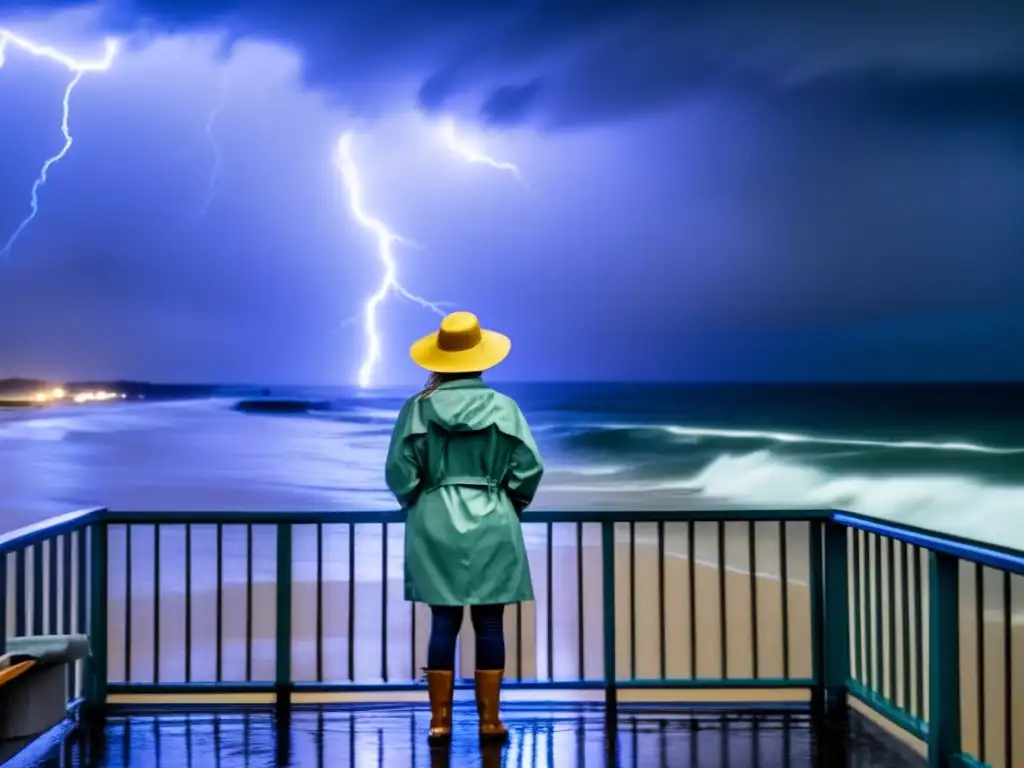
x=446, y=621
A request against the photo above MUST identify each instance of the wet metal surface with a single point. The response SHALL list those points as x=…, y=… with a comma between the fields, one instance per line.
x=395, y=735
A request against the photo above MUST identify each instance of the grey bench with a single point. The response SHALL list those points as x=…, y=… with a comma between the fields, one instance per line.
x=33, y=683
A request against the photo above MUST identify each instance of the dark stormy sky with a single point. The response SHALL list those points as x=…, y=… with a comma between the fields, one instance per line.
x=710, y=190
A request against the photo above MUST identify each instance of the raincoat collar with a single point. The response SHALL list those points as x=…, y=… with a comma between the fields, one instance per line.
x=474, y=383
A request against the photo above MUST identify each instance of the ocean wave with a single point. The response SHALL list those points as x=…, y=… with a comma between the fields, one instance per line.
x=953, y=503
x=55, y=424
x=619, y=435
x=793, y=437
x=378, y=414
x=616, y=435
x=591, y=470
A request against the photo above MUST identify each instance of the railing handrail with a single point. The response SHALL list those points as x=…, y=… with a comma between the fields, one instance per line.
x=972, y=550
x=264, y=517
x=48, y=528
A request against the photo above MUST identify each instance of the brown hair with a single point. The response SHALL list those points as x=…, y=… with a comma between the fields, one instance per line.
x=437, y=379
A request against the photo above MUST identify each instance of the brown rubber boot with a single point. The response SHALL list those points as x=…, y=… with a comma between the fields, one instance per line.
x=440, y=686
x=488, y=696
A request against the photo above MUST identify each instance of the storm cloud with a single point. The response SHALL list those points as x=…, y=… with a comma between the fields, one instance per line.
x=712, y=190
x=563, y=63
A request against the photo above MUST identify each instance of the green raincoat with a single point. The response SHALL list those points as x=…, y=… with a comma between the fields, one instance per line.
x=463, y=464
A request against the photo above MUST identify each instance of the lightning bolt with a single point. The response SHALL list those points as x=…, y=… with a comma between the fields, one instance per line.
x=213, y=184
x=470, y=153
x=386, y=241
x=78, y=69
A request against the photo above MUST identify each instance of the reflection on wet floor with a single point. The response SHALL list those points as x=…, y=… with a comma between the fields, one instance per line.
x=395, y=736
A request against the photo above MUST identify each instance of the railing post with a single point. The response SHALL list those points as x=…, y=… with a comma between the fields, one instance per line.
x=944, y=660
x=20, y=591
x=611, y=693
x=3, y=603
x=96, y=690
x=836, y=669
x=608, y=583
x=830, y=631
x=283, y=645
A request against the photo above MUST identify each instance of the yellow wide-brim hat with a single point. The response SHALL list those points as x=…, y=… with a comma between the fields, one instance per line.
x=460, y=346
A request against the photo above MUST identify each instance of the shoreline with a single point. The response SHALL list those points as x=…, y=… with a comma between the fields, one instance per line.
x=565, y=608
x=369, y=608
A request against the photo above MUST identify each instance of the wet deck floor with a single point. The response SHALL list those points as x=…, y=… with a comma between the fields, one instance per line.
x=395, y=736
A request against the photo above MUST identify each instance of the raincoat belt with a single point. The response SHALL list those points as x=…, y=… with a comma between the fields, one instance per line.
x=471, y=481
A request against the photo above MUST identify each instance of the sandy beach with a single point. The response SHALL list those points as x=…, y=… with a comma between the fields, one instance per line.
x=985, y=673
x=991, y=675
x=529, y=659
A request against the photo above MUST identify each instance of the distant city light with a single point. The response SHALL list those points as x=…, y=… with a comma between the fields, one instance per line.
x=98, y=396
x=92, y=396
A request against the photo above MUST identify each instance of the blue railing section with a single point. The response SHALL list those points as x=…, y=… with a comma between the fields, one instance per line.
x=282, y=591
x=780, y=606
x=936, y=629
x=46, y=577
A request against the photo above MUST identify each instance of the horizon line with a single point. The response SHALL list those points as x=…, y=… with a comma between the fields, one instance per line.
x=651, y=381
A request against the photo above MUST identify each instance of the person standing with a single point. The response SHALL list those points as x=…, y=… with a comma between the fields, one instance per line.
x=463, y=464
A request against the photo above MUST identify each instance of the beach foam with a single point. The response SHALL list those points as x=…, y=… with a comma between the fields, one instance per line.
x=696, y=434
x=958, y=504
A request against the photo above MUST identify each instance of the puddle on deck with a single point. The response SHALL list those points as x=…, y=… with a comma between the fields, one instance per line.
x=396, y=736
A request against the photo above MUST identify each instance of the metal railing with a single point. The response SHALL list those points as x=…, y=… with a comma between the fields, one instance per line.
x=934, y=629
x=725, y=606
x=45, y=582
x=309, y=603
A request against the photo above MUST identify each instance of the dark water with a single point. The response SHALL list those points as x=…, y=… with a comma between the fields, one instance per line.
x=946, y=456
x=949, y=457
